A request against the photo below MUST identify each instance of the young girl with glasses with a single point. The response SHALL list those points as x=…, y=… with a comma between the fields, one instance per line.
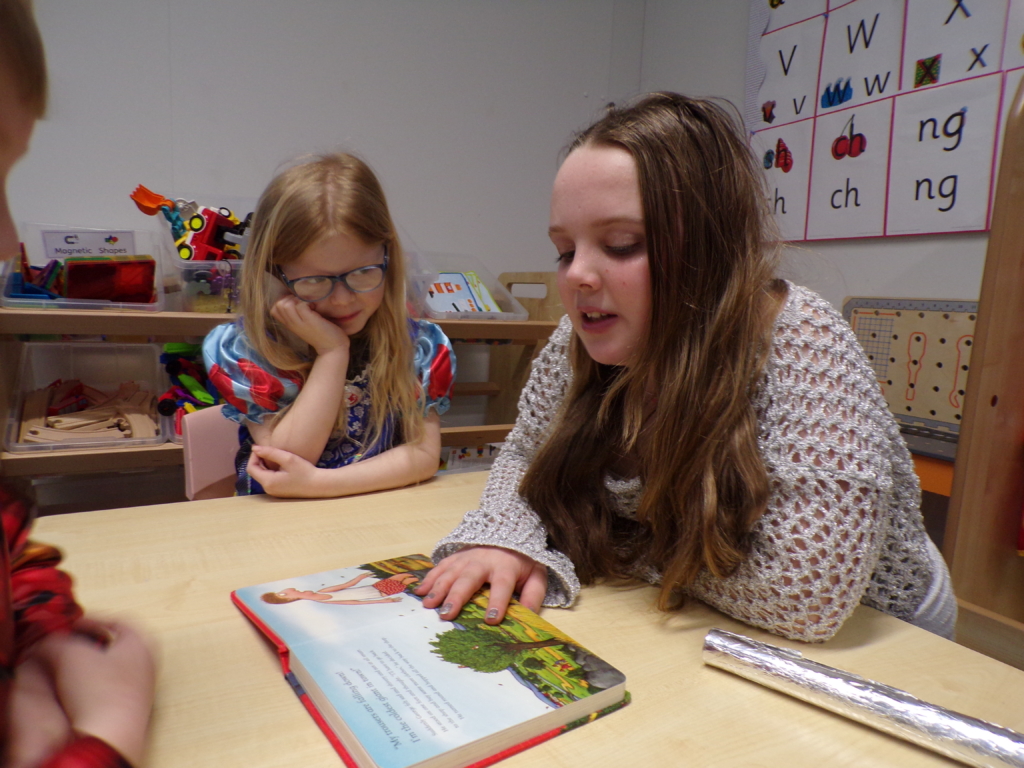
x=336, y=390
x=694, y=422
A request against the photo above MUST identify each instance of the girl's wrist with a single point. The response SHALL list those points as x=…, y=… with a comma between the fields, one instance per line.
x=327, y=483
x=338, y=354
x=126, y=733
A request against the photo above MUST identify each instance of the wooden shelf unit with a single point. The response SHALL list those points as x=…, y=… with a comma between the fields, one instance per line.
x=176, y=325
x=988, y=481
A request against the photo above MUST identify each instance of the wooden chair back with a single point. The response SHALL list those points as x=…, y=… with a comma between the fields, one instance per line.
x=547, y=308
x=210, y=443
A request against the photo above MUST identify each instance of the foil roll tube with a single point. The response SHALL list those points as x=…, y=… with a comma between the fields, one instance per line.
x=961, y=737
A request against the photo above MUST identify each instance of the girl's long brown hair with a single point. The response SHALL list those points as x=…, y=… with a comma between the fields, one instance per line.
x=712, y=250
x=330, y=195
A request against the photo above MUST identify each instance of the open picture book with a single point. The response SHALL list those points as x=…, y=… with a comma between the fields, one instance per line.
x=392, y=685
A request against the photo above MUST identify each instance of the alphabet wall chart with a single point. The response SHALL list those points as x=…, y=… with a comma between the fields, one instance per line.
x=881, y=117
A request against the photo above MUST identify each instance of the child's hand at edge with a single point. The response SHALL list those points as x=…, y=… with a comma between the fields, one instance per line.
x=38, y=726
x=309, y=325
x=105, y=687
x=282, y=473
x=458, y=577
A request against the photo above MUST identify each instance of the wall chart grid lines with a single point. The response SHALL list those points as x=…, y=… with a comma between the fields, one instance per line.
x=879, y=118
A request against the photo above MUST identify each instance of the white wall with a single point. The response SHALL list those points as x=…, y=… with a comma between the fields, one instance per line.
x=461, y=106
x=700, y=49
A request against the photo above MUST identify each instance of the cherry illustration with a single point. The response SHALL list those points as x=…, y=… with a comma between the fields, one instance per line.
x=841, y=147
x=849, y=144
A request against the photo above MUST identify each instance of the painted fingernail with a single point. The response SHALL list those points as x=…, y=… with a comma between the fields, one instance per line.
x=430, y=596
x=447, y=608
x=492, y=613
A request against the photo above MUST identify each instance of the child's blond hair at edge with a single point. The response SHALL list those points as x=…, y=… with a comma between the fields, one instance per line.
x=21, y=54
x=330, y=195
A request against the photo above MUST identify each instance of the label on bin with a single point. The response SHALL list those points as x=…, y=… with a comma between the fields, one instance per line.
x=60, y=243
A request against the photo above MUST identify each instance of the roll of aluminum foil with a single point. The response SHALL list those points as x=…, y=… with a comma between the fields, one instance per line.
x=888, y=709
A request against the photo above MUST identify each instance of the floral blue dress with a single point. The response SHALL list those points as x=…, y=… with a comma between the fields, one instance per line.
x=253, y=388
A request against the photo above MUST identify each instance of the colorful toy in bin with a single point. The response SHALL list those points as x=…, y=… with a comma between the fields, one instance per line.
x=200, y=233
x=33, y=282
x=190, y=390
x=111, y=278
x=213, y=289
x=123, y=279
x=72, y=413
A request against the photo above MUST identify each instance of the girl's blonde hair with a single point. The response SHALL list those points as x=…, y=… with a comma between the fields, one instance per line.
x=330, y=195
x=712, y=250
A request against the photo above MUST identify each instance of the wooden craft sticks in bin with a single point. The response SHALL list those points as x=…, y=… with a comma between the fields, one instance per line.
x=74, y=396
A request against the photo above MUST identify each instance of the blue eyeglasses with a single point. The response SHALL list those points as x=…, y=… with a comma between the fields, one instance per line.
x=319, y=287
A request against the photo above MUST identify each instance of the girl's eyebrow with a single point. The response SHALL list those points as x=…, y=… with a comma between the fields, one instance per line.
x=602, y=223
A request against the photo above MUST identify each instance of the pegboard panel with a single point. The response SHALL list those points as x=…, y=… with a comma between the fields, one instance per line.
x=921, y=354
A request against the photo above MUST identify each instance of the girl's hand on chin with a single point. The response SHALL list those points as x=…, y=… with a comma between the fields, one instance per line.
x=309, y=325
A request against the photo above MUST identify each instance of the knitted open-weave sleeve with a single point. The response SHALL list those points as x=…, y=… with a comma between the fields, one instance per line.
x=504, y=519
x=843, y=522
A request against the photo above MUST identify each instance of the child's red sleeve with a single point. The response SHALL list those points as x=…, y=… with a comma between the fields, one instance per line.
x=40, y=595
x=87, y=752
x=36, y=599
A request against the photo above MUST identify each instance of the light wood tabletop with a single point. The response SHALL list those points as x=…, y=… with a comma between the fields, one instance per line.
x=221, y=699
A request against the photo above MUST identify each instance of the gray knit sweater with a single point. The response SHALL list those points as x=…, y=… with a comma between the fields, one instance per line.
x=843, y=523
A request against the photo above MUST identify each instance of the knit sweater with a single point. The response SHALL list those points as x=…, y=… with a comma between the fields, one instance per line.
x=843, y=522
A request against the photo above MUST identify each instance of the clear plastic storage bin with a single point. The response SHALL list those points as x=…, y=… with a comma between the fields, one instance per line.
x=210, y=286
x=146, y=243
x=452, y=292
x=102, y=366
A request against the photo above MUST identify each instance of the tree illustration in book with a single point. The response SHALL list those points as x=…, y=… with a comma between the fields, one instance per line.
x=484, y=650
x=393, y=685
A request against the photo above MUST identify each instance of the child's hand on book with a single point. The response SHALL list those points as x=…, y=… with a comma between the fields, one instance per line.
x=460, y=576
x=309, y=325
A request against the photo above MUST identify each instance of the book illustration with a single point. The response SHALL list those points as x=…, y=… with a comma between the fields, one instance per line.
x=547, y=662
x=460, y=292
x=387, y=590
x=401, y=687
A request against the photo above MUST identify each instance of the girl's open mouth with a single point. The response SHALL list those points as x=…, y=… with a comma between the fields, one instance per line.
x=597, y=321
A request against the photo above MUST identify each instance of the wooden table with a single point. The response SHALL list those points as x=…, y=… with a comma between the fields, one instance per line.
x=222, y=700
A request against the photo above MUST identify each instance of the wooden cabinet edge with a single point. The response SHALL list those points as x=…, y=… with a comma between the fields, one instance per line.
x=488, y=433
x=170, y=454
x=95, y=460
x=91, y=322
x=990, y=633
